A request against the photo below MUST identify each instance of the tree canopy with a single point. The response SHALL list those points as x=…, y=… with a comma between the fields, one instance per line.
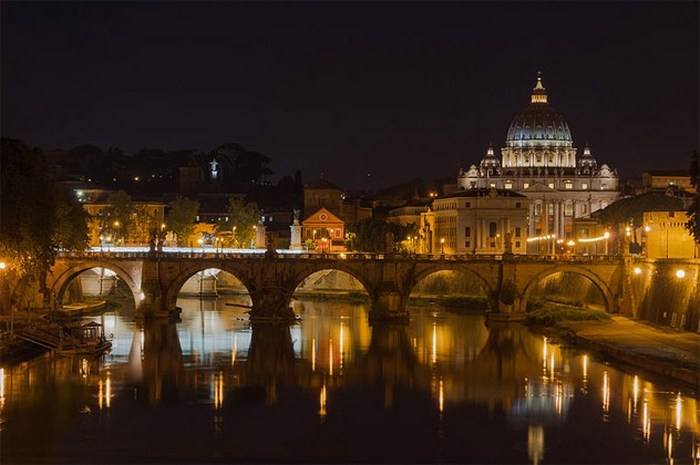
x=376, y=235
x=36, y=218
x=181, y=218
x=239, y=229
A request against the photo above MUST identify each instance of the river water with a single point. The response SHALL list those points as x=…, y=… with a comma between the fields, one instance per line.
x=332, y=388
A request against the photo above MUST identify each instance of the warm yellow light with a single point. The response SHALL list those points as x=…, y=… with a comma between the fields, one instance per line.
x=571, y=243
x=606, y=235
x=442, y=240
x=647, y=228
x=3, y=265
x=199, y=241
x=680, y=274
x=637, y=270
x=343, y=255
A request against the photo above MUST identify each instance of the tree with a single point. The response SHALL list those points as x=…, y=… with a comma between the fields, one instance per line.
x=72, y=231
x=694, y=209
x=181, y=218
x=239, y=229
x=118, y=218
x=35, y=219
x=371, y=235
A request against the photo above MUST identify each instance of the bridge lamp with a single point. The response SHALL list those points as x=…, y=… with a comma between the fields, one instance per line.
x=637, y=270
x=442, y=245
x=647, y=228
x=3, y=265
x=680, y=274
x=201, y=243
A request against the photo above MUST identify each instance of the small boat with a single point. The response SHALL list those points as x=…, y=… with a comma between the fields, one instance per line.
x=86, y=339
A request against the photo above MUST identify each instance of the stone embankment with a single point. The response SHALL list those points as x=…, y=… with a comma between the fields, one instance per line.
x=667, y=353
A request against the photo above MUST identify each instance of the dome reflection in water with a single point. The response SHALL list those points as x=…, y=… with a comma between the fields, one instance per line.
x=333, y=388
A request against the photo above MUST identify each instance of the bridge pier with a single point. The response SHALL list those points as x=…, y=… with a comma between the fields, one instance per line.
x=388, y=304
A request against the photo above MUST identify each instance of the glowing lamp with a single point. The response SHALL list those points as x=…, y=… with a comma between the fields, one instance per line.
x=680, y=274
x=637, y=270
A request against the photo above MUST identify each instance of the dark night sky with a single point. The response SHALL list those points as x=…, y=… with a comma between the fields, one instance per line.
x=398, y=90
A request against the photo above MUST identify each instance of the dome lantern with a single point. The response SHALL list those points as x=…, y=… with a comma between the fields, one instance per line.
x=539, y=93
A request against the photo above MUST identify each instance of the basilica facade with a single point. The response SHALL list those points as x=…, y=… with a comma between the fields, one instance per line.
x=539, y=161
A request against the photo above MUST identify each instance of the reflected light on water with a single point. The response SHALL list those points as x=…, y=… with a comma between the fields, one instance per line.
x=544, y=353
x=342, y=344
x=2, y=388
x=313, y=354
x=322, y=401
x=433, y=356
x=535, y=443
x=679, y=412
x=646, y=421
x=218, y=390
x=606, y=392
x=234, y=349
x=635, y=392
x=330, y=357
x=441, y=396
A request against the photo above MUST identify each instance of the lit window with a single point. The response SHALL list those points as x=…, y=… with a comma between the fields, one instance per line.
x=493, y=184
x=551, y=185
x=568, y=185
x=508, y=185
x=584, y=185
x=568, y=209
x=526, y=185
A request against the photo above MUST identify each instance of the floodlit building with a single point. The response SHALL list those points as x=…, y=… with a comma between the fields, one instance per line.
x=666, y=236
x=324, y=230
x=475, y=221
x=540, y=161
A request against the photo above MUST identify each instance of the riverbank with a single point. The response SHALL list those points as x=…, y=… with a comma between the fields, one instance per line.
x=662, y=352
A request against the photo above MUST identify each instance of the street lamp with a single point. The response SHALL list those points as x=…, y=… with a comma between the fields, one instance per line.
x=201, y=243
x=442, y=246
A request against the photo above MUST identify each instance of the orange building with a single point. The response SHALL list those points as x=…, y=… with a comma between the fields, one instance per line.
x=325, y=230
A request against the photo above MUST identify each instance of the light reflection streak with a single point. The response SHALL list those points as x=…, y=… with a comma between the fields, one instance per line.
x=433, y=357
x=330, y=357
x=322, y=400
x=679, y=412
x=606, y=392
x=635, y=392
x=2, y=388
x=544, y=353
x=234, y=349
x=313, y=354
x=551, y=365
x=559, y=398
x=535, y=443
x=585, y=368
x=108, y=391
x=646, y=421
x=218, y=390
x=441, y=396
x=342, y=344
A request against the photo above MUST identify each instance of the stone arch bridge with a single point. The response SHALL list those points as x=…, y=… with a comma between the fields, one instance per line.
x=156, y=279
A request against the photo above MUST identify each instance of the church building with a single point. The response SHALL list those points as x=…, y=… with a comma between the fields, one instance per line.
x=539, y=161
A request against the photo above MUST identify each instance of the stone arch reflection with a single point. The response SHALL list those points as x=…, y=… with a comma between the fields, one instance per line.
x=458, y=288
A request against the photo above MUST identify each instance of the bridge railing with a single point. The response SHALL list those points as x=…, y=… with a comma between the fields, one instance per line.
x=188, y=254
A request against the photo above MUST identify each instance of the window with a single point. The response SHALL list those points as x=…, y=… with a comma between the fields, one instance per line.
x=517, y=204
x=508, y=185
x=468, y=231
x=568, y=185
x=550, y=185
x=538, y=208
x=468, y=205
x=493, y=184
x=568, y=209
x=550, y=209
x=584, y=185
x=526, y=185
x=518, y=231
x=517, y=244
x=584, y=208
x=492, y=229
x=467, y=244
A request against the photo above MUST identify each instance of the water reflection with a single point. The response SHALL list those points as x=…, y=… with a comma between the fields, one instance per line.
x=442, y=388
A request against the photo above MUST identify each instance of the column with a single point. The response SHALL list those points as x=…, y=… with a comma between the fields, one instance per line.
x=531, y=220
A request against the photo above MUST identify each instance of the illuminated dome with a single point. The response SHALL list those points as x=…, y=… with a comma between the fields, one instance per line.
x=539, y=124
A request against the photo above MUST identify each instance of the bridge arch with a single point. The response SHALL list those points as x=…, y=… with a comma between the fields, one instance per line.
x=60, y=284
x=176, y=284
x=597, y=281
x=446, y=266
x=337, y=265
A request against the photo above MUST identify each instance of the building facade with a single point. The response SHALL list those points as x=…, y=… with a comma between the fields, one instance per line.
x=475, y=221
x=540, y=161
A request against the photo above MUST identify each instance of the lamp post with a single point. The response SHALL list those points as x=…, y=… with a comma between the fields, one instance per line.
x=442, y=246
x=235, y=240
x=201, y=243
